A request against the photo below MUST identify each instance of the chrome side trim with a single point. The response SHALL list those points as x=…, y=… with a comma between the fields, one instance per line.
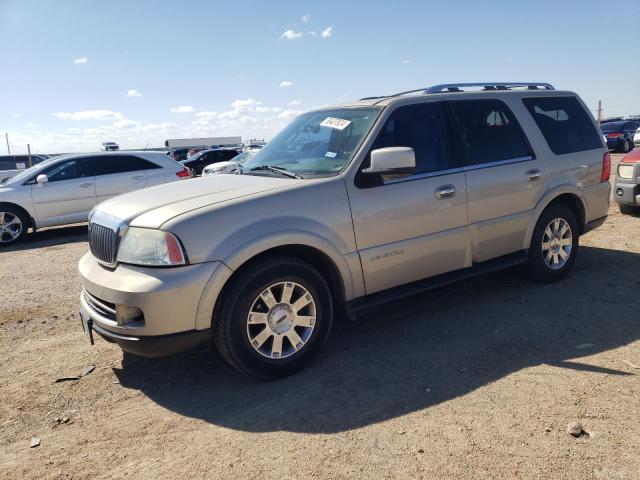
x=497, y=163
x=420, y=176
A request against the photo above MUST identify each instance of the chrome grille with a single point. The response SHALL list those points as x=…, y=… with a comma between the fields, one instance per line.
x=103, y=242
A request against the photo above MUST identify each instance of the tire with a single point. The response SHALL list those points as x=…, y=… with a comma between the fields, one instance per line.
x=13, y=225
x=265, y=347
x=629, y=209
x=541, y=266
x=626, y=146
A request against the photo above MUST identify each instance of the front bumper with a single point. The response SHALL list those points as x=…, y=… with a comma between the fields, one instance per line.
x=626, y=189
x=173, y=306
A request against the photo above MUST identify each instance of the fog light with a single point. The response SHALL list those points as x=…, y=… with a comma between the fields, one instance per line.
x=126, y=314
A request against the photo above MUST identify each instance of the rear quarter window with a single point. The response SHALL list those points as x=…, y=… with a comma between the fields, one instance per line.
x=564, y=123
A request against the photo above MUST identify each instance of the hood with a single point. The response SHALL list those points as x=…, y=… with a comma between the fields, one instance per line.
x=152, y=207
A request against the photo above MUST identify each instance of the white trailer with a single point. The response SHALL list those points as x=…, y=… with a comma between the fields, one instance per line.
x=203, y=142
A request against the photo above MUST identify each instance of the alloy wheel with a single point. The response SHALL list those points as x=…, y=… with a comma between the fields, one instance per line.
x=281, y=320
x=557, y=242
x=10, y=227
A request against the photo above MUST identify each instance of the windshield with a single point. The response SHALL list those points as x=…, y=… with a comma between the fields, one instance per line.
x=29, y=171
x=242, y=158
x=320, y=142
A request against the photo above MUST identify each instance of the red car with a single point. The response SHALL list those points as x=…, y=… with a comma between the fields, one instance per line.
x=627, y=187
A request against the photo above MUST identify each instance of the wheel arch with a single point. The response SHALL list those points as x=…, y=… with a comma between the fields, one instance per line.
x=570, y=197
x=32, y=222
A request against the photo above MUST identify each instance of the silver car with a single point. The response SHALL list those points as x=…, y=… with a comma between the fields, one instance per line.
x=63, y=190
x=347, y=207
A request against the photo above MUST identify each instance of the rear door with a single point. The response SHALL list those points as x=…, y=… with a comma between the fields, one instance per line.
x=411, y=227
x=504, y=178
x=118, y=174
x=68, y=196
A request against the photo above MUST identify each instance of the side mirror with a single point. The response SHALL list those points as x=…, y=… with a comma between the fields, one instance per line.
x=42, y=178
x=392, y=161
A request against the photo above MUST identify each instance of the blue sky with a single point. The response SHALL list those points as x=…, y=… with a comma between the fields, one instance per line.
x=75, y=74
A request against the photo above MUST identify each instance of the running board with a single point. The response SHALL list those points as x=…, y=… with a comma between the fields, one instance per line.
x=358, y=306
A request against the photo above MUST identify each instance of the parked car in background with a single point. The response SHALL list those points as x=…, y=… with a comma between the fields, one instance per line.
x=346, y=208
x=11, y=165
x=206, y=157
x=253, y=145
x=62, y=190
x=232, y=166
x=192, y=152
x=179, y=154
x=109, y=147
x=620, y=135
x=626, y=190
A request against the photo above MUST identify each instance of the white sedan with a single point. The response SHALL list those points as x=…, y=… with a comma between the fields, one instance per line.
x=231, y=166
x=63, y=190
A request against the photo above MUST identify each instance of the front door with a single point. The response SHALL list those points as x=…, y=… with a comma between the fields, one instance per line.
x=412, y=227
x=69, y=194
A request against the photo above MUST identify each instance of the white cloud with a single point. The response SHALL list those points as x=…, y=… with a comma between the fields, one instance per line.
x=80, y=60
x=294, y=102
x=32, y=125
x=238, y=104
x=89, y=115
x=306, y=18
x=291, y=35
x=182, y=109
x=327, y=32
x=313, y=34
x=133, y=93
x=207, y=114
x=17, y=115
x=126, y=124
x=285, y=84
x=406, y=61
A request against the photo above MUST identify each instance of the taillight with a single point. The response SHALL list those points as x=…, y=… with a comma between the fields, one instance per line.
x=613, y=135
x=606, y=167
x=186, y=173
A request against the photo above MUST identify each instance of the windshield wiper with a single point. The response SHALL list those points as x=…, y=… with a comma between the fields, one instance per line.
x=280, y=170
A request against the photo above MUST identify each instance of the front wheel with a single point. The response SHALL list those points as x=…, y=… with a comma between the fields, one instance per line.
x=274, y=317
x=554, y=244
x=626, y=146
x=13, y=225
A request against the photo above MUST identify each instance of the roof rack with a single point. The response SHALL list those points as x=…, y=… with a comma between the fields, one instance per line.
x=458, y=87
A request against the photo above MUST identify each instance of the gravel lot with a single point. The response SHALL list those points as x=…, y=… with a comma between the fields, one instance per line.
x=473, y=380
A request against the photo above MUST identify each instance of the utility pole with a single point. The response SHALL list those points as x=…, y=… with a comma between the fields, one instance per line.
x=29, y=153
x=6, y=136
x=599, y=112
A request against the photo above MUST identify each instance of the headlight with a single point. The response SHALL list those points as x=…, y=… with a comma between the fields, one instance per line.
x=153, y=248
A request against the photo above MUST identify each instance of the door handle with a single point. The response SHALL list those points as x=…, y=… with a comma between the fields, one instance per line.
x=533, y=174
x=86, y=185
x=445, y=191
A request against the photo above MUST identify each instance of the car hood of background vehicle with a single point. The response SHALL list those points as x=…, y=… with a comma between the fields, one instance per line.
x=152, y=207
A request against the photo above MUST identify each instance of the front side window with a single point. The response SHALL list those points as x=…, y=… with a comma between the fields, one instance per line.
x=318, y=143
x=68, y=170
x=565, y=124
x=421, y=128
x=489, y=131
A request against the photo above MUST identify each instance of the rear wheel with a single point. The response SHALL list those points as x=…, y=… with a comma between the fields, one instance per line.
x=554, y=244
x=626, y=146
x=274, y=317
x=13, y=225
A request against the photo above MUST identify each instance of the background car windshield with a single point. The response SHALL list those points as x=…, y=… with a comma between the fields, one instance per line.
x=320, y=142
x=612, y=127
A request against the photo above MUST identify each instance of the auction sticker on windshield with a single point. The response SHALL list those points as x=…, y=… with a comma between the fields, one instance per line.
x=337, y=123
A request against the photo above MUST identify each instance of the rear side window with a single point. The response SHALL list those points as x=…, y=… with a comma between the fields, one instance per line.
x=110, y=164
x=564, y=123
x=146, y=164
x=489, y=131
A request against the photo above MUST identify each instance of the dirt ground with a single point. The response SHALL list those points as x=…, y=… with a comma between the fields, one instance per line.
x=474, y=380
